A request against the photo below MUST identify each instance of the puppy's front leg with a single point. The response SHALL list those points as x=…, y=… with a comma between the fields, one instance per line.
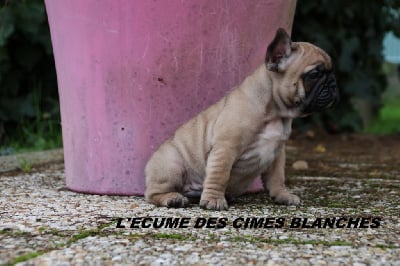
x=274, y=181
x=218, y=170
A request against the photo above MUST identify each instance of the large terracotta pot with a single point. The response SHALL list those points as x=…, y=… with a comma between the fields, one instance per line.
x=130, y=72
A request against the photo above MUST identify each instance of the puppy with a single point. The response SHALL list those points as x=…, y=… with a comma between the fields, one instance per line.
x=219, y=152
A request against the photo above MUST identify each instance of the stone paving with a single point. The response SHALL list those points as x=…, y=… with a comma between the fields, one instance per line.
x=43, y=223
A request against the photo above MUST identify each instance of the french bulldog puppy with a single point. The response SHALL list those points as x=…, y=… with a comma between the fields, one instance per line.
x=218, y=153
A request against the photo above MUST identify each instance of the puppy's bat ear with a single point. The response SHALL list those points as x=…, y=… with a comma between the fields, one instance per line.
x=278, y=50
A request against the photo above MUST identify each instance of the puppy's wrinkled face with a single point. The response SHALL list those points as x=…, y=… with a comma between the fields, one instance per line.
x=321, y=90
x=305, y=75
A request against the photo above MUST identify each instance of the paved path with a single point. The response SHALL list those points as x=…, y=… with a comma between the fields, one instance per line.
x=42, y=223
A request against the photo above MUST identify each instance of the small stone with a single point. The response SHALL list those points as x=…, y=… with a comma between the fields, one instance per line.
x=310, y=134
x=183, y=248
x=271, y=263
x=300, y=165
x=193, y=258
x=117, y=258
x=359, y=264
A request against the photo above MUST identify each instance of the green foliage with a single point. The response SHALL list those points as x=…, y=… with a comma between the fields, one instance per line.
x=388, y=120
x=352, y=33
x=29, y=112
x=24, y=164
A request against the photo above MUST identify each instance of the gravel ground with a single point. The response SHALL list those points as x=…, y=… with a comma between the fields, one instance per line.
x=42, y=223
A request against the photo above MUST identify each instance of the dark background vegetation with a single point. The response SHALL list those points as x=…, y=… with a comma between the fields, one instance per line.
x=29, y=109
x=351, y=31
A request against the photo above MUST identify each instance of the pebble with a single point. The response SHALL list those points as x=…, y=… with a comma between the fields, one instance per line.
x=300, y=165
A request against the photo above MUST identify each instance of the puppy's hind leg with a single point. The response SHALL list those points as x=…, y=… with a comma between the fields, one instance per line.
x=164, y=178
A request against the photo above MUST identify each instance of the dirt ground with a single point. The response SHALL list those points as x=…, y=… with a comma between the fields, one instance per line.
x=355, y=155
x=345, y=155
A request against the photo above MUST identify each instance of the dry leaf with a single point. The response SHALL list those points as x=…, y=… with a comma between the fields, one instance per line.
x=320, y=148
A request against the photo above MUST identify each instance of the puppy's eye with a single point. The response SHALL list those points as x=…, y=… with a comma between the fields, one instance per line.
x=313, y=74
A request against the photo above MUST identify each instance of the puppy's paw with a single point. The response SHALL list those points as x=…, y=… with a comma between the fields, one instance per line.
x=214, y=203
x=175, y=200
x=286, y=198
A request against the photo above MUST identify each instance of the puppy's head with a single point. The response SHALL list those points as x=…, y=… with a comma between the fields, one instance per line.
x=302, y=75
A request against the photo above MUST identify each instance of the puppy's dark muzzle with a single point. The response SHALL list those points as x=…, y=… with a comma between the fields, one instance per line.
x=325, y=94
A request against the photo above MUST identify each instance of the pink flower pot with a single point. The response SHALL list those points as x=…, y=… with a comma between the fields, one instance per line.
x=130, y=72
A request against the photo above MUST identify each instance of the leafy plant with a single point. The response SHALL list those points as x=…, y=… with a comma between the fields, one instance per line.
x=24, y=164
x=29, y=112
x=352, y=33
